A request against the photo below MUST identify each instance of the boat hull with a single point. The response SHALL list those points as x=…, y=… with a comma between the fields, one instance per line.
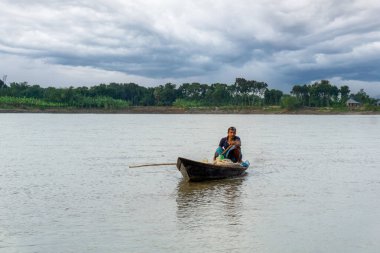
x=198, y=171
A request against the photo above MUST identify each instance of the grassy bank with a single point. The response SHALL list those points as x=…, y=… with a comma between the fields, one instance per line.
x=110, y=105
x=83, y=103
x=188, y=110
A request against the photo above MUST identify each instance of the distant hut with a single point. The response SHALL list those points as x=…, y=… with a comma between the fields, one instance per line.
x=351, y=103
x=378, y=103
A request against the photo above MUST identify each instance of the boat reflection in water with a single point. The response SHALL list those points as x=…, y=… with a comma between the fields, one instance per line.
x=210, y=209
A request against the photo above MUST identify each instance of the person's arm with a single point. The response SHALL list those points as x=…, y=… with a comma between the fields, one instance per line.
x=221, y=143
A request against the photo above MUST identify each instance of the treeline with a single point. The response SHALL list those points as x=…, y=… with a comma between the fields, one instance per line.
x=121, y=95
x=325, y=94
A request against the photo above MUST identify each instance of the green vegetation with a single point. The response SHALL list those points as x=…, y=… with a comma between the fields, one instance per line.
x=243, y=94
x=290, y=102
x=15, y=102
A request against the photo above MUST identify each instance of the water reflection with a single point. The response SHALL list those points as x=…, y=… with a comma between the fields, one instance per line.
x=218, y=202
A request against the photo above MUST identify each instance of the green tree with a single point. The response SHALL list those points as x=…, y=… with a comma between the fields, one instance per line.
x=272, y=97
x=240, y=91
x=362, y=97
x=323, y=93
x=290, y=102
x=219, y=94
x=53, y=94
x=148, y=97
x=2, y=84
x=248, y=92
x=34, y=91
x=344, y=92
x=165, y=95
x=193, y=91
x=302, y=92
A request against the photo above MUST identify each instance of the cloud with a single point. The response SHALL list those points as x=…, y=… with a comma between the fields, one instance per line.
x=282, y=43
x=35, y=71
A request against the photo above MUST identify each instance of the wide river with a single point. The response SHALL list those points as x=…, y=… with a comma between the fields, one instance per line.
x=66, y=186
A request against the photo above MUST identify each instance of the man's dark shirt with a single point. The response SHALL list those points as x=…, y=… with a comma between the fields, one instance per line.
x=224, y=141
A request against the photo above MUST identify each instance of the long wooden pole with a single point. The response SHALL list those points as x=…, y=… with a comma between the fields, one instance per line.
x=151, y=164
x=230, y=146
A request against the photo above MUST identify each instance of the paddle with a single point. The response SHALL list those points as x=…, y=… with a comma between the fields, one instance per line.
x=230, y=146
x=221, y=156
x=151, y=164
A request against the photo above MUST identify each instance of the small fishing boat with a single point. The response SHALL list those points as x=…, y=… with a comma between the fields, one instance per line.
x=199, y=171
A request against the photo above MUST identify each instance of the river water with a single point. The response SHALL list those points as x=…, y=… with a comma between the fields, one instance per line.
x=66, y=185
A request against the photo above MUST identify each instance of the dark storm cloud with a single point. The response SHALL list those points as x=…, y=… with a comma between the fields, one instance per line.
x=281, y=42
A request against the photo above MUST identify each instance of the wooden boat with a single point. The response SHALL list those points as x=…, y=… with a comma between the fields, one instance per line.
x=199, y=171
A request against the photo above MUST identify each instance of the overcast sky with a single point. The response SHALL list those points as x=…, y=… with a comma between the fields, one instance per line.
x=151, y=42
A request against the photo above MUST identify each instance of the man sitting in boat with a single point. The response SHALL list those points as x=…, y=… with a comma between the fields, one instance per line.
x=229, y=147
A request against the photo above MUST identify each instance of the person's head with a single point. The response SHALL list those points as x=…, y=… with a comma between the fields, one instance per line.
x=231, y=131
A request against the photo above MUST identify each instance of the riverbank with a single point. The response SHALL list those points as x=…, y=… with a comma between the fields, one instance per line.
x=197, y=110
